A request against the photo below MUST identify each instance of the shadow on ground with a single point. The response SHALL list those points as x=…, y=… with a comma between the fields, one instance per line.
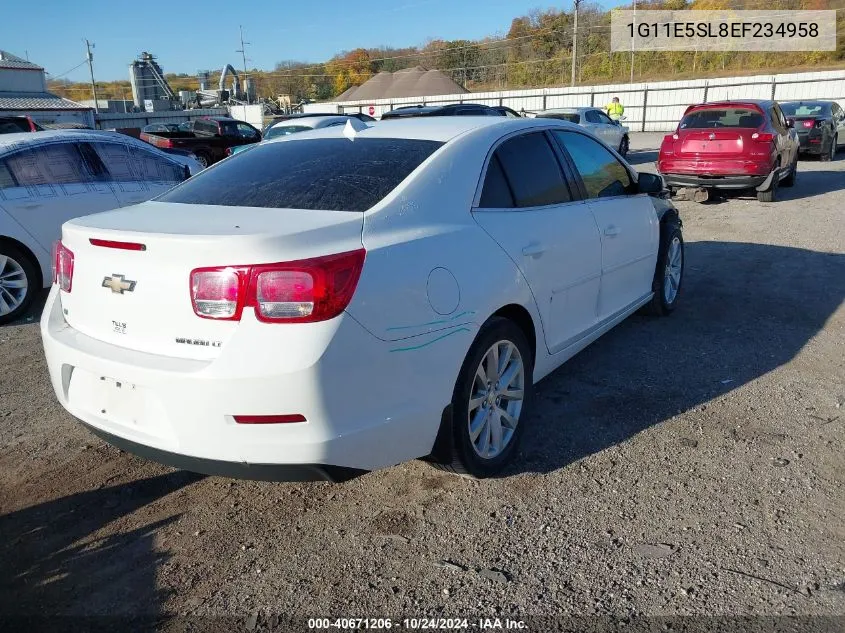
x=745, y=310
x=51, y=557
x=639, y=157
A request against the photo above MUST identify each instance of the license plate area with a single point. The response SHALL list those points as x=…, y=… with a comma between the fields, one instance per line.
x=117, y=402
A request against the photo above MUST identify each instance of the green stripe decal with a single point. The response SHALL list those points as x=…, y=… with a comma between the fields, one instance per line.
x=440, y=322
x=439, y=338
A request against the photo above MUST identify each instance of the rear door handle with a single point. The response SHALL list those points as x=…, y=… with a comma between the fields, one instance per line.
x=534, y=249
x=611, y=231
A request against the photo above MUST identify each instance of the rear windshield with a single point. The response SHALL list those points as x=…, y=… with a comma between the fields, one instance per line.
x=805, y=109
x=722, y=117
x=332, y=174
x=285, y=130
x=572, y=117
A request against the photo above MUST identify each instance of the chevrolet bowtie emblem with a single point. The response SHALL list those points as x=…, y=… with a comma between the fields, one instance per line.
x=118, y=285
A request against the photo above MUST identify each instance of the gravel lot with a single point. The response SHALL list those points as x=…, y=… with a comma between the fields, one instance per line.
x=688, y=465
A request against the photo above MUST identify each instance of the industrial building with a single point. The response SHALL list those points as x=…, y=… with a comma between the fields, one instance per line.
x=150, y=90
x=23, y=90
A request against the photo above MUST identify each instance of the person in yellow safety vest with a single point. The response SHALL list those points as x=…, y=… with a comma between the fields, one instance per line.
x=615, y=109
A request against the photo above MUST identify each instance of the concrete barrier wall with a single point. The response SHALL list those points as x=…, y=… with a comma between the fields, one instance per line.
x=649, y=107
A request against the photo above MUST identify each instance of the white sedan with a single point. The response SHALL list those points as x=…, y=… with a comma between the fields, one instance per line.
x=348, y=299
x=49, y=177
x=611, y=131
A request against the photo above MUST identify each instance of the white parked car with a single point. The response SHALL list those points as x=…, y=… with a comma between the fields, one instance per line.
x=611, y=131
x=337, y=302
x=294, y=126
x=47, y=178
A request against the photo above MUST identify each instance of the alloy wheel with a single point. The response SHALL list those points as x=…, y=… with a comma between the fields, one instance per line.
x=13, y=284
x=674, y=269
x=496, y=399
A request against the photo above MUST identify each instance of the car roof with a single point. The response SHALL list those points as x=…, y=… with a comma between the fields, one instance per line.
x=442, y=129
x=16, y=140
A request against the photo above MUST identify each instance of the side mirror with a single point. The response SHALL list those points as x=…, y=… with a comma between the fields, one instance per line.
x=649, y=183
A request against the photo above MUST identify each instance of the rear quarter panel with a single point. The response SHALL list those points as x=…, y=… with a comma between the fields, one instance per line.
x=432, y=276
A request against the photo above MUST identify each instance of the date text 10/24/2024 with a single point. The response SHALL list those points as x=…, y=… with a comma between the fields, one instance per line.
x=417, y=624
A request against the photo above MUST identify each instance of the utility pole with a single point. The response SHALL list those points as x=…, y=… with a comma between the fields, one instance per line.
x=89, y=46
x=575, y=41
x=632, y=41
x=242, y=51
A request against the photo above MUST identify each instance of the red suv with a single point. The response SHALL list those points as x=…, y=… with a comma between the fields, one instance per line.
x=731, y=145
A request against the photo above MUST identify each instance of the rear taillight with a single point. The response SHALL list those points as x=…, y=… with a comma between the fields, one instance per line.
x=809, y=123
x=302, y=291
x=218, y=293
x=228, y=151
x=763, y=137
x=62, y=267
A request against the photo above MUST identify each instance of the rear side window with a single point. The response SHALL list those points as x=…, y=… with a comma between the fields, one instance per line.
x=532, y=169
x=6, y=179
x=710, y=118
x=206, y=127
x=603, y=175
x=51, y=165
x=332, y=174
x=496, y=193
x=285, y=130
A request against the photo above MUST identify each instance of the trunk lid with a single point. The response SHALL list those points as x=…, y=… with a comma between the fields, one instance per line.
x=141, y=299
x=713, y=142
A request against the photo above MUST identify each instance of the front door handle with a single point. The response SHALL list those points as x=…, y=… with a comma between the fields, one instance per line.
x=611, y=231
x=535, y=249
x=34, y=205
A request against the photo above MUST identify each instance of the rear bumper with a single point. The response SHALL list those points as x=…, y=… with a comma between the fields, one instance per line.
x=366, y=407
x=813, y=144
x=234, y=470
x=736, y=183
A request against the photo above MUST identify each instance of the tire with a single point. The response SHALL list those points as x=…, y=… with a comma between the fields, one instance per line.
x=769, y=194
x=830, y=153
x=663, y=303
x=466, y=455
x=624, y=145
x=789, y=181
x=19, y=282
x=203, y=158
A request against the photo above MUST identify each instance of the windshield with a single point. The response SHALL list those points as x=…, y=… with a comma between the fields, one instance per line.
x=331, y=174
x=805, y=109
x=710, y=118
x=285, y=130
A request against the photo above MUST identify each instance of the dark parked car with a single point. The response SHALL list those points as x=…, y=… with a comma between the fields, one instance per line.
x=208, y=139
x=453, y=109
x=731, y=145
x=820, y=126
x=14, y=124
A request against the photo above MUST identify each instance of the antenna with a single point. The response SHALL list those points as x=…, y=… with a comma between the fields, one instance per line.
x=242, y=51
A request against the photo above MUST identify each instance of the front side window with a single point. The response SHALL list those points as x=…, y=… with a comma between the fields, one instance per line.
x=532, y=170
x=603, y=175
x=331, y=174
x=246, y=130
x=134, y=164
x=603, y=118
